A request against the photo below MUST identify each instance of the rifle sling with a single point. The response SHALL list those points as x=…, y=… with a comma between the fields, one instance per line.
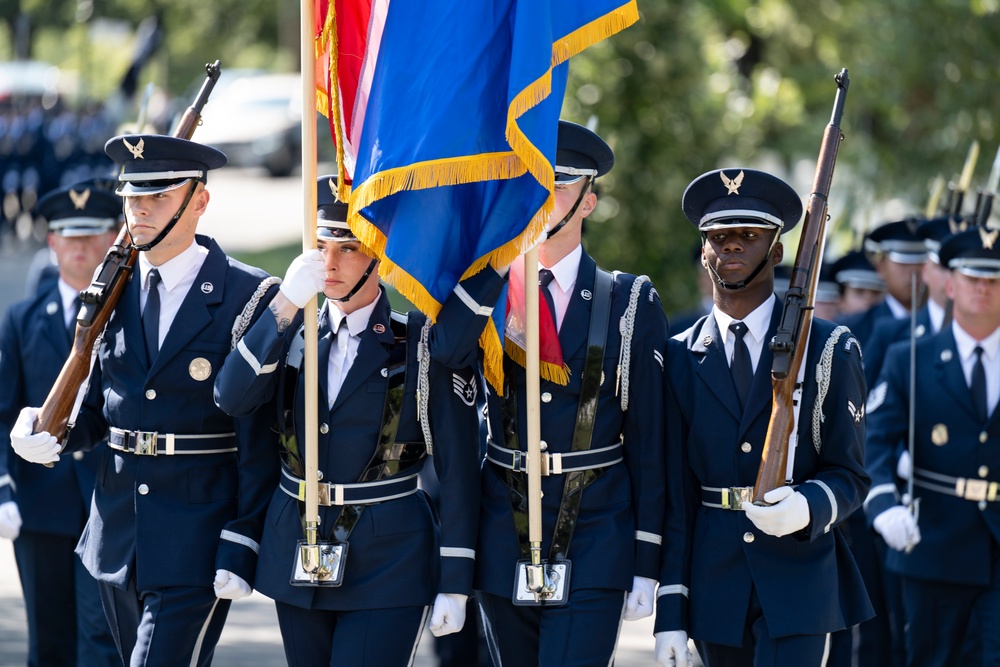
x=583, y=431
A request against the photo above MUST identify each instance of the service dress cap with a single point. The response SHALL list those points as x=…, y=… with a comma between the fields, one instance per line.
x=154, y=163
x=974, y=252
x=580, y=152
x=82, y=209
x=741, y=197
x=933, y=232
x=331, y=213
x=854, y=269
x=898, y=241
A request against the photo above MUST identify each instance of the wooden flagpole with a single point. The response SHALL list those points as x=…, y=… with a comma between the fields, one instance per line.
x=532, y=373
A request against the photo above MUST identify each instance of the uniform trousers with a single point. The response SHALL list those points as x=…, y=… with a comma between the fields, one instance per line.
x=361, y=638
x=581, y=633
x=760, y=649
x=177, y=626
x=938, y=614
x=66, y=624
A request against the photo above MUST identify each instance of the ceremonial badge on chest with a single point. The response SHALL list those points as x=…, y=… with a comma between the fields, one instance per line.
x=200, y=369
x=939, y=435
x=320, y=564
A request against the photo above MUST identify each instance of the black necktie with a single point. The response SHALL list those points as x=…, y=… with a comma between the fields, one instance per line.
x=544, y=278
x=978, y=385
x=74, y=312
x=741, y=368
x=151, y=316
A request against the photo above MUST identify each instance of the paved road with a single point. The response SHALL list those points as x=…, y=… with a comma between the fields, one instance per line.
x=247, y=213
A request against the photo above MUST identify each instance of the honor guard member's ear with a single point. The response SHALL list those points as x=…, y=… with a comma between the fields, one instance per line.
x=741, y=198
x=580, y=154
x=332, y=227
x=155, y=163
x=898, y=241
x=974, y=252
x=82, y=209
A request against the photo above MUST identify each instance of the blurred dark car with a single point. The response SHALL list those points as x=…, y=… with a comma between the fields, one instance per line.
x=255, y=118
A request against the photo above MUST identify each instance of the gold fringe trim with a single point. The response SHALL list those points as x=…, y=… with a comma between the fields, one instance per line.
x=547, y=370
x=489, y=341
x=329, y=103
x=593, y=32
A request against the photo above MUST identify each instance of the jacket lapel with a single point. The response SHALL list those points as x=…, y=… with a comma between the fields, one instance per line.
x=948, y=368
x=576, y=322
x=195, y=312
x=129, y=311
x=372, y=350
x=713, y=368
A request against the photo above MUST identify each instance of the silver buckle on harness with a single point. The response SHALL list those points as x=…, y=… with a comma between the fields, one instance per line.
x=733, y=497
x=145, y=443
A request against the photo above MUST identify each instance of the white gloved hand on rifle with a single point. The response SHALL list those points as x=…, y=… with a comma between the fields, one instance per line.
x=34, y=447
x=787, y=513
x=898, y=528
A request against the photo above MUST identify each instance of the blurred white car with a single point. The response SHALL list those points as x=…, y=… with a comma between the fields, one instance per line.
x=255, y=118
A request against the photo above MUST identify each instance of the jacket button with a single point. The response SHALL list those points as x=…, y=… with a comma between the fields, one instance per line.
x=746, y=447
x=143, y=489
x=983, y=471
x=983, y=437
x=748, y=537
x=319, y=475
x=982, y=505
x=77, y=456
x=150, y=394
x=542, y=445
x=546, y=397
x=324, y=428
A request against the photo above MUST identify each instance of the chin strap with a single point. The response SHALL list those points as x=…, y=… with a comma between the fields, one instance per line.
x=753, y=274
x=360, y=283
x=572, y=211
x=170, y=225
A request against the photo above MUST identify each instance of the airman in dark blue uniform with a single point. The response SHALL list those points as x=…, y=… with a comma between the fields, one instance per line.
x=384, y=407
x=601, y=431
x=858, y=284
x=183, y=487
x=756, y=585
x=946, y=553
x=44, y=511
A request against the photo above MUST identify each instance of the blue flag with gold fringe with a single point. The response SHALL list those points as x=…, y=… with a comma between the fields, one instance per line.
x=446, y=113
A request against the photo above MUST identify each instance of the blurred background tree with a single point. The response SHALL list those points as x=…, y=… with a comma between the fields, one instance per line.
x=695, y=85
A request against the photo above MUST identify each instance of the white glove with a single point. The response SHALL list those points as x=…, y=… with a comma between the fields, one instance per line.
x=33, y=447
x=10, y=520
x=898, y=528
x=787, y=513
x=305, y=278
x=904, y=466
x=448, y=615
x=639, y=603
x=672, y=649
x=230, y=586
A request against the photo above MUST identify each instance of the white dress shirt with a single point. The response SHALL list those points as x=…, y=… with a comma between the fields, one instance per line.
x=346, y=333
x=757, y=323
x=966, y=346
x=177, y=275
x=564, y=274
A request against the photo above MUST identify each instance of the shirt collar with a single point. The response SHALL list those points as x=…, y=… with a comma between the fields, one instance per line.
x=67, y=295
x=566, y=269
x=966, y=344
x=173, y=270
x=897, y=309
x=758, y=321
x=357, y=321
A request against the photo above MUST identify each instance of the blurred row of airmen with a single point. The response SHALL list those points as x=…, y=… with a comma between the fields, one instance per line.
x=47, y=146
x=196, y=408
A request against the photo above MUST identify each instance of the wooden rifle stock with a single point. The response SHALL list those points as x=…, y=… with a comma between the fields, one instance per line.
x=789, y=343
x=101, y=298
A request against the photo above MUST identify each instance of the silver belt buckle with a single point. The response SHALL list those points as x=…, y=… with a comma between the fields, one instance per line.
x=733, y=497
x=972, y=489
x=145, y=443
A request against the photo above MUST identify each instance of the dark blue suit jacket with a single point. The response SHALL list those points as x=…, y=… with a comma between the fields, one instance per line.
x=957, y=538
x=34, y=344
x=807, y=582
x=620, y=522
x=886, y=332
x=203, y=511
x=862, y=324
x=398, y=555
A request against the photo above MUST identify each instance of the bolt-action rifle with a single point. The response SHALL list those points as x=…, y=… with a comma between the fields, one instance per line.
x=99, y=300
x=789, y=343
